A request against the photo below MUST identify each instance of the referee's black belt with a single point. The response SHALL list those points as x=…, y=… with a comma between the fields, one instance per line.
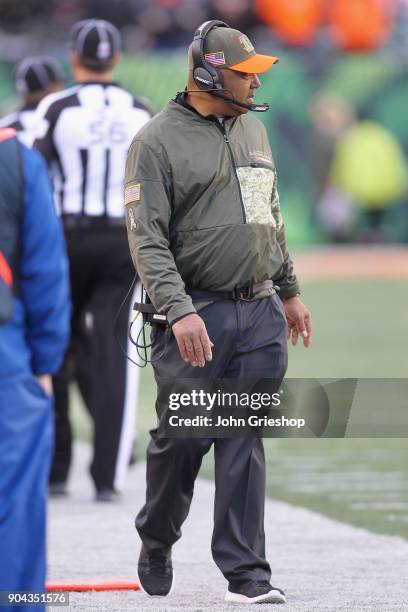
x=239, y=293
x=72, y=221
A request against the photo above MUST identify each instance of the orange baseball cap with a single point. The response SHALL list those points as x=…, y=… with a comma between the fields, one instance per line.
x=228, y=48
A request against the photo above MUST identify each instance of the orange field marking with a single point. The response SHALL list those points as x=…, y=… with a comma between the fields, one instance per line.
x=332, y=263
x=108, y=585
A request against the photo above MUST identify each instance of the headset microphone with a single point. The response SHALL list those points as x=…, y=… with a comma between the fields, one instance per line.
x=256, y=108
x=260, y=108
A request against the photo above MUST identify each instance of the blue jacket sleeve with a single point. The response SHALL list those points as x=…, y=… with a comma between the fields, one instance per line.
x=44, y=281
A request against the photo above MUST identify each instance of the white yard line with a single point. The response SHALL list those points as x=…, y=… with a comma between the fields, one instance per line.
x=322, y=564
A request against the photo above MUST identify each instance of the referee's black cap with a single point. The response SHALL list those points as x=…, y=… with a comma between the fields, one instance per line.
x=35, y=74
x=96, y=40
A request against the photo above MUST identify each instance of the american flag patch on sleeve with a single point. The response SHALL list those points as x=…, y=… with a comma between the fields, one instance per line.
x=217, y=58
x=132, y=193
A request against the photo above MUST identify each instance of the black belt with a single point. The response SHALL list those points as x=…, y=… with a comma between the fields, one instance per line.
x=82, y=221
x=239, y=293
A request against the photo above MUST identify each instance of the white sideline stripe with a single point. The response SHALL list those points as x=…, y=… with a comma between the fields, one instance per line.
x=128, y=431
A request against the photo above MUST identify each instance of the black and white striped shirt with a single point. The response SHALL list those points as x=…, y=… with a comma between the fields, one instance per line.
x=22, y=121
x=84, y=134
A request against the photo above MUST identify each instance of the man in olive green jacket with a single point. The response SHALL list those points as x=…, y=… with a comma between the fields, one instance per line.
x=207, y=239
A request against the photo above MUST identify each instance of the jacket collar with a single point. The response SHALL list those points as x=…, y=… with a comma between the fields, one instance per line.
x=181, y=103
x=181, y=99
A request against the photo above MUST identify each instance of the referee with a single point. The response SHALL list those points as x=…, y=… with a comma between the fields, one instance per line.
x=84, y=134
x=35, y=78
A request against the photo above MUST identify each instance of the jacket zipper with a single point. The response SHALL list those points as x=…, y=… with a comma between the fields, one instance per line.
x=227, y=142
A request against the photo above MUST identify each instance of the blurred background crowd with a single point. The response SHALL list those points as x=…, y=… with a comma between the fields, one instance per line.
x=338, y=97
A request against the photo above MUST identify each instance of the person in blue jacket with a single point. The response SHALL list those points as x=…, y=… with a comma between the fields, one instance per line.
x=34, y=330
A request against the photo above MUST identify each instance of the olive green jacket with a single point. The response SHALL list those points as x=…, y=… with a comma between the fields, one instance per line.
x=203, y=209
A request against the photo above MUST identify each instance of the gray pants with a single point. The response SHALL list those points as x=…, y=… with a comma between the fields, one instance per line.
x=249, y=342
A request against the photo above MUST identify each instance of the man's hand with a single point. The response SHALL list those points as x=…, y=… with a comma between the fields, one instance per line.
x=299, y=321
x=193, y=341
x=45, y=381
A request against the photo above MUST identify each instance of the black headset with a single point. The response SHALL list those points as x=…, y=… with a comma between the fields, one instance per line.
x=205, y=75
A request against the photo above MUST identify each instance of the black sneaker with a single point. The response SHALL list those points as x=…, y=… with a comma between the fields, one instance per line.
x=255, y=592
x=155, y=571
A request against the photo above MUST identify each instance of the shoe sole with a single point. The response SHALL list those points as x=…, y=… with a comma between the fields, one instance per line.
x=273, y=597
x=158, y=596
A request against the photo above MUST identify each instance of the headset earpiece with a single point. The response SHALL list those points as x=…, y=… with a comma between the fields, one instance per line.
x=206, y=76
x=203, y=79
